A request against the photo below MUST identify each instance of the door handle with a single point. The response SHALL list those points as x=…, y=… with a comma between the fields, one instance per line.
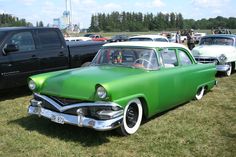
x=7, y=65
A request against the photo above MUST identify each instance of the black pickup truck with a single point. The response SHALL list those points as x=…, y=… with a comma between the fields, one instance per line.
x=27, y=51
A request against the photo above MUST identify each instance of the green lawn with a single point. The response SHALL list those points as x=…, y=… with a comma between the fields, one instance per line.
x=197, y=128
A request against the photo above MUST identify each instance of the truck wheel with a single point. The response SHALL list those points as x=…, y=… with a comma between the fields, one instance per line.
x=85, y=64
x=132, y=118
x=229, y=71
x=200, y=93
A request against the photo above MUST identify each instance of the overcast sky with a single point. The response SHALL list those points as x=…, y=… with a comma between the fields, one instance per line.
x=46, y=10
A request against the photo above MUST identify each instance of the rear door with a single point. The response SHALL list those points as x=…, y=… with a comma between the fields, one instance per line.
x=17, y=65
x=175, y=80
x=190, y=73
x=53, y=54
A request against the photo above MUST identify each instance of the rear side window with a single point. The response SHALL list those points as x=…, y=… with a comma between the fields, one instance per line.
x=169, y=58
x=49, y=39
x=184, y=58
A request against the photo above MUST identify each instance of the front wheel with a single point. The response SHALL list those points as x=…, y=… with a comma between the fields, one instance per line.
x=229, y=71
x=132, y=118
x=200, y=93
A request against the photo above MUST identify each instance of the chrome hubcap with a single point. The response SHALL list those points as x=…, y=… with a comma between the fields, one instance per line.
x=132, y=115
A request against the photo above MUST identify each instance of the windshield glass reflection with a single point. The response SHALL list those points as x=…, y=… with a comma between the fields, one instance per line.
x=127, y=57
x=216, y=41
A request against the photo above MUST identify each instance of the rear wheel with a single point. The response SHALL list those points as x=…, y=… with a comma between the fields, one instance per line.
x=132, y=118
x=200, y=93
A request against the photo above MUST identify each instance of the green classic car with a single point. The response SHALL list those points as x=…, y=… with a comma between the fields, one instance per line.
x=125, y=83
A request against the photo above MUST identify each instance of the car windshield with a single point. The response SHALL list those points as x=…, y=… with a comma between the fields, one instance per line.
x=87, y=35
x=216, y=41
x=127, y=57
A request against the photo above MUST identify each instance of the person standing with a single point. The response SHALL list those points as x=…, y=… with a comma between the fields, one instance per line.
x=190, y=40
x=178, y=37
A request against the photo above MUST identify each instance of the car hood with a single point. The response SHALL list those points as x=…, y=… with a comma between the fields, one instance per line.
x=212, y=50
x=81, y=83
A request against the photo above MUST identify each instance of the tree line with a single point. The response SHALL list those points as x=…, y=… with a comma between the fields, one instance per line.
x=127, y=21
x=7, y=20
x=39, y=24
x=211, y=23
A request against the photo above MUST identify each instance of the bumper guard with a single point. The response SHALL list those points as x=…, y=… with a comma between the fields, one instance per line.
x=35, y=108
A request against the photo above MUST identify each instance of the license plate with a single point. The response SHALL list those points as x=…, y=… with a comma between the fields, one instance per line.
x=57, y=119
x=37, y=110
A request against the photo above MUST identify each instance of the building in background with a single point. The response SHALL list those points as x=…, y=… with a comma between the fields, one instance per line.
x=56, y=22
x=65, y=21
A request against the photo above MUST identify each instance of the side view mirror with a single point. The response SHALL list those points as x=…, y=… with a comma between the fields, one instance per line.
x=10, y=48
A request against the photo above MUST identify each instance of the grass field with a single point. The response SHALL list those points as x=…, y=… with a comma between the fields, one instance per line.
x=205, y=128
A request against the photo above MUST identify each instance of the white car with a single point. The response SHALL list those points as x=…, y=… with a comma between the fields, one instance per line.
x=183, y=38
x=198, y=36
x=157, y=38
x=219, y=49
x=77, y=39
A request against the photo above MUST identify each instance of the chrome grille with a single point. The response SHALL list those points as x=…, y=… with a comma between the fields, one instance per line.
x=66, y=101
x=206, y=60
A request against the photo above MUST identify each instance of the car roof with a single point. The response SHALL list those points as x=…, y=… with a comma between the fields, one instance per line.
x=23, y=28
x=144, y=44
x=221, y=35
x=148, y=36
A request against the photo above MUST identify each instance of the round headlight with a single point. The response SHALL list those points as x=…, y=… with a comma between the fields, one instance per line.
x=222, y=58
x=31, y=85
x=101, y=92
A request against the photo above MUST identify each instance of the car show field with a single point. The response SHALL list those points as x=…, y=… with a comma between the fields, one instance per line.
x=153, y=78
x=196, y=128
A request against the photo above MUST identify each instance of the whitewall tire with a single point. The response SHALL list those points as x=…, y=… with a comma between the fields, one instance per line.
x=200, y=93
x=229, y=71
x=133, y=114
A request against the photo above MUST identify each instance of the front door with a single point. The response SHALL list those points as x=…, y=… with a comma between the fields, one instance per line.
x=19, y=63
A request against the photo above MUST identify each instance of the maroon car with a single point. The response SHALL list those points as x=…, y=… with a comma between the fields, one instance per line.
x=96, y=37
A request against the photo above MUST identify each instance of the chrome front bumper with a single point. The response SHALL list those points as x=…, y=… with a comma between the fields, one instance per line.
x=222, y=67
x=207, y=59
x=80, y=120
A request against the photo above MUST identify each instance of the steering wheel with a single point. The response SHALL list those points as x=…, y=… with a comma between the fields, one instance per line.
x=142, y=60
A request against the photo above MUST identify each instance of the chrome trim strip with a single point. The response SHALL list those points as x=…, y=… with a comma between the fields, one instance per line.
x=80, y=120
x=205, y=57
x=64, y=108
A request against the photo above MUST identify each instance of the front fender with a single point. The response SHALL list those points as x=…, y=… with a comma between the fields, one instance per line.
x=124, y=100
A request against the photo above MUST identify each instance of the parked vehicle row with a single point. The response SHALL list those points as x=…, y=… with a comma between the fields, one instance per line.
x=125, y=83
